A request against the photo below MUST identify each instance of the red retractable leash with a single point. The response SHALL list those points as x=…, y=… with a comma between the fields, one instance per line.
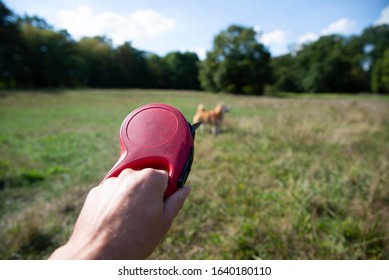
x=157, y=136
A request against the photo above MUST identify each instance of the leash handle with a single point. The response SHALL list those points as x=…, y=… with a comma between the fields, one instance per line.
x=157, y=136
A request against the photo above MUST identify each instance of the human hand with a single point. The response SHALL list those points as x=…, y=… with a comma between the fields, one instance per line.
x=124, y=217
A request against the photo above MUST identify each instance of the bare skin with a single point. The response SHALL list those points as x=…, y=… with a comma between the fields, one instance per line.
x=124, y=217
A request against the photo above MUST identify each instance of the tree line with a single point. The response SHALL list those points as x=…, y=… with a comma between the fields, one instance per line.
x=337, y=63
x=34, y=55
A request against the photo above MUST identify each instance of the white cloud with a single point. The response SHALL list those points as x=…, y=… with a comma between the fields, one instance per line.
x=341, y=26
x=257, y=28
x=152, y=22
x=201, y=52
x=276, y=37
x=275, y=40
x=384, y=17
x=142, y=23
x=309, y=37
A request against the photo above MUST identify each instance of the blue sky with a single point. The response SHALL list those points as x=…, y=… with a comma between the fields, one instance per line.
x=164, y=26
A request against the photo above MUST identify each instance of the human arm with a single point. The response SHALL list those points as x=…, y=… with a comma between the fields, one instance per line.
x=124, y=217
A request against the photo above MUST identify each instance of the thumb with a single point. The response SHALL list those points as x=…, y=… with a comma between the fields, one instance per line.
x=174, y=203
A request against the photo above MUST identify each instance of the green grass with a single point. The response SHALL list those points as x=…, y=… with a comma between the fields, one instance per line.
x=289, y=178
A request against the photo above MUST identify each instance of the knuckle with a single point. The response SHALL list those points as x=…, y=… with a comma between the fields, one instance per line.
x=154, y=172
x=126, y=172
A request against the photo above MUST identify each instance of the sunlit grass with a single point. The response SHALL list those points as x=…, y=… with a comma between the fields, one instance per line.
x=289, y=178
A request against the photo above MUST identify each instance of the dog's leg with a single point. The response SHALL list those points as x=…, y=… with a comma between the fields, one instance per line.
x=215, y=130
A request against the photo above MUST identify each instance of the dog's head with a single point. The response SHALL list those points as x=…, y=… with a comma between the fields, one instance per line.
x=222, y=108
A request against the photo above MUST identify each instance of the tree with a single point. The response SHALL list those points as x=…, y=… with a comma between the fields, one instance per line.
x=159, y=72
x=355, y=52
x=97, y=53
x=380, y=74
x=130, y=67
x=284, y=73
x=325, y=65
x=183, y=70
x=238, y=63
x=48, y=57
x=10, y=43
x=375, y=41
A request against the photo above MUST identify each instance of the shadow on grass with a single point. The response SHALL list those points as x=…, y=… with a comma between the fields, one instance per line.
x=50, y=91
x=26, y=244
x=25, y=177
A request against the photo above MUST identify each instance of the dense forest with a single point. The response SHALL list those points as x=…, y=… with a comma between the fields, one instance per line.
x=34, y=55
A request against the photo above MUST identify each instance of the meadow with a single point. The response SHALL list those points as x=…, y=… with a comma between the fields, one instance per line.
x=292, y=177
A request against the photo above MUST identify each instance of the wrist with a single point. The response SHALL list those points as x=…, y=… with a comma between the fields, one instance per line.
x=74, y=251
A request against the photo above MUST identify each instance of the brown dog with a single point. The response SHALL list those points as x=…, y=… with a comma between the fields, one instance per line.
x=213, y=117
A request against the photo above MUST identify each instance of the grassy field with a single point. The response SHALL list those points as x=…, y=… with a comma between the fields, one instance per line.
x=289, y=178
